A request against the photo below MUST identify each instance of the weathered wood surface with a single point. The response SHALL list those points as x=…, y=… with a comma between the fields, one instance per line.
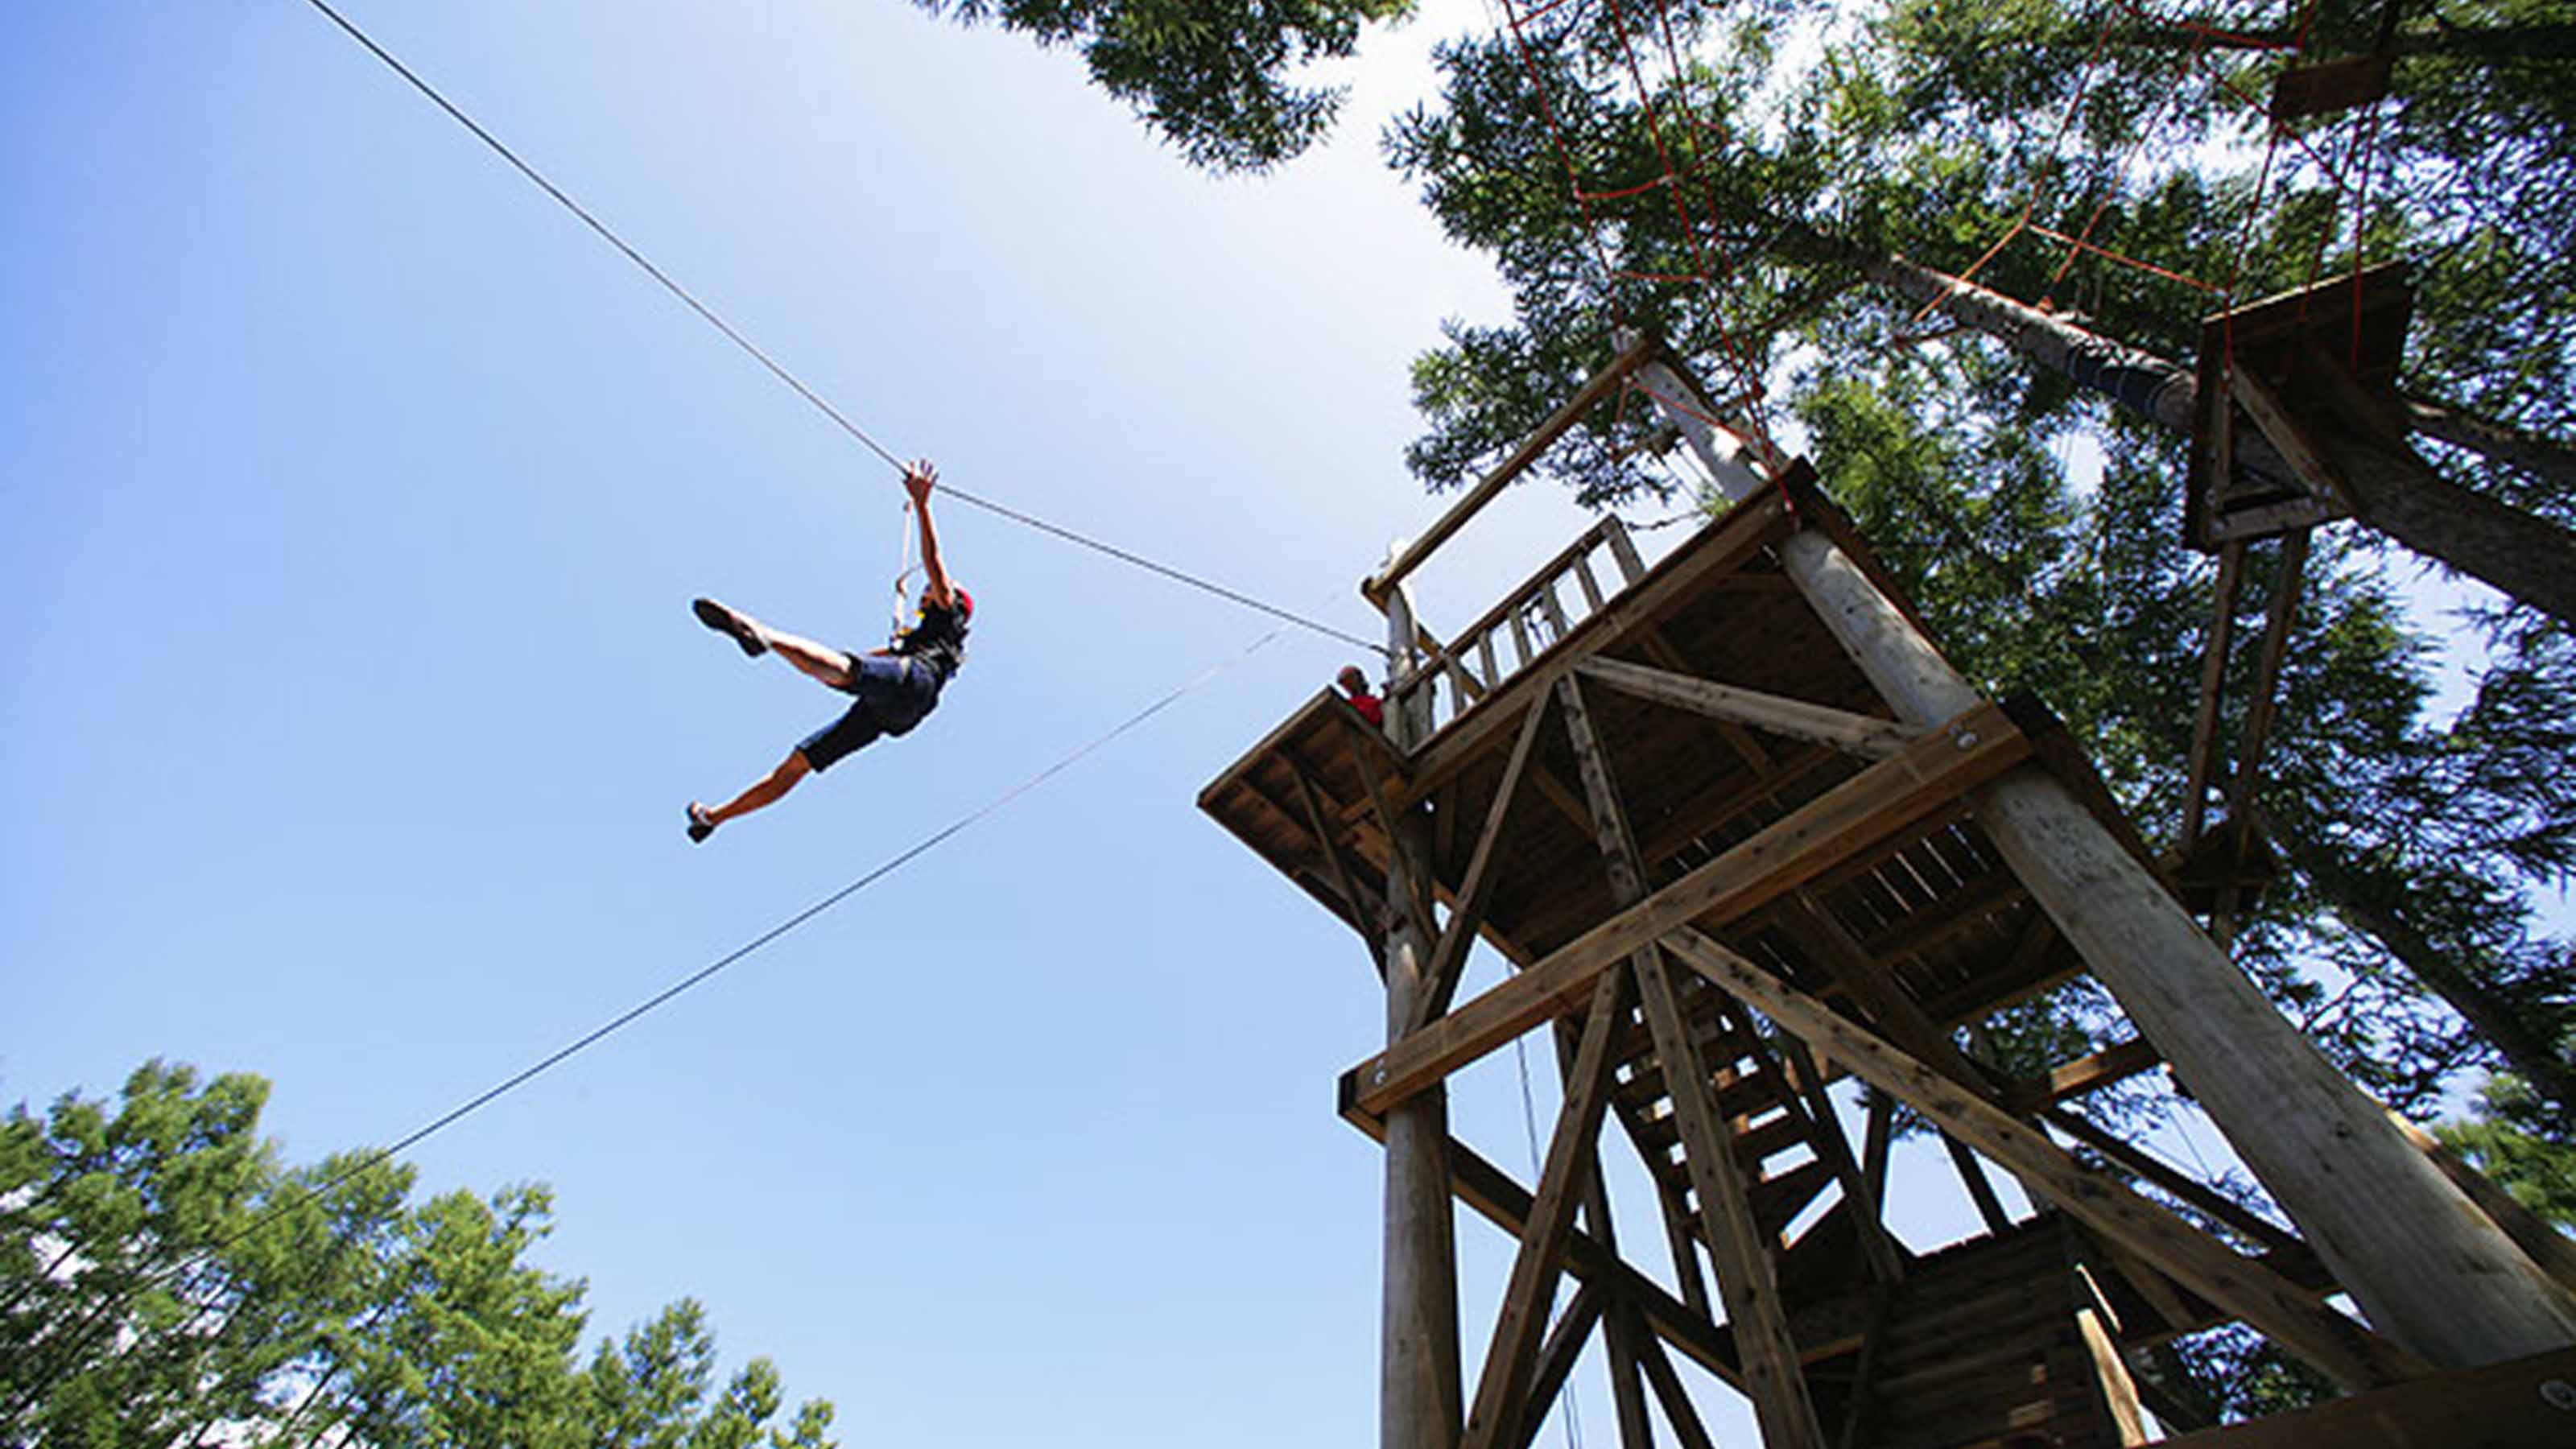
x=2336, y=1345
x=1601, y=386
x=2526, y=1403
x=1419, y=1393
x=1863, y=735
x=1746, y=1277
x=1973, y=748
x=1502, y=1387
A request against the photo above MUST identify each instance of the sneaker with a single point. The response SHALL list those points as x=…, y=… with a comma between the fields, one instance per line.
x=725, y=621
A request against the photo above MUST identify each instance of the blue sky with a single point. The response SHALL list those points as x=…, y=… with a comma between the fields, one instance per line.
x=355, y=495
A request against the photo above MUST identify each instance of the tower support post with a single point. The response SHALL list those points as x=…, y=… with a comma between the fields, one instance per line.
x=1418, y=1385
x=2428, y=1268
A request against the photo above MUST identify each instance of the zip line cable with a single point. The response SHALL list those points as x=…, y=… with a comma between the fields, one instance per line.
x=888, y=867
x=367, y=1161
x=780, y=371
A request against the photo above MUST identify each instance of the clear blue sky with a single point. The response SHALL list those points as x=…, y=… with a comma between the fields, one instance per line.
x=353, y=497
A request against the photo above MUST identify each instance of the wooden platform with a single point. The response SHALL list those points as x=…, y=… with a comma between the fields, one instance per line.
x=1923, y=892
x=1725, y=872
x=2294, y=369
x=1871, y=887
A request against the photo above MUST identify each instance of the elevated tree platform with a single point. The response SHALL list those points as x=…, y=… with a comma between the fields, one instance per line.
x=1740, y=834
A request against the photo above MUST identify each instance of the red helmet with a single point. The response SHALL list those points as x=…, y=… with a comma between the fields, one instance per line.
x=965, y=601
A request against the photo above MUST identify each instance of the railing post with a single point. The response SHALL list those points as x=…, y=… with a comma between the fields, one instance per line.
x=1418, y=1385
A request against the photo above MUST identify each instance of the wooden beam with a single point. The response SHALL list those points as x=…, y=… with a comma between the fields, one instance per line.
x=1362, y=920
x=1415, y=908
x=1589, y=583
x=1438, y=657
x=1818, y=931
x=2263, y=700
x=1585, y=399
x=2344, y=1350
x=1747, y=1280
x=1467, y=913
x=2213, y=689
x=1858, y=734
x=2547, y=1246
x=1725, y=544
x=1556, y=1357
x=1651, y=641
x=1873, y=1347
x=1679, y=1411
x=2090, y=1073
x=1886, y=1263
x=2151, y=1284
x=1685, y=1249
x=1981, y=1189
x=1975, y=747
x=1623, y=549
x=1505, y=1203
x=1627, y=884
x=2520, y=1402
x=1503, y=1384
x=1876, y=1140
x=2288, y=435
x=2099, y=1328
x=2138, y=1164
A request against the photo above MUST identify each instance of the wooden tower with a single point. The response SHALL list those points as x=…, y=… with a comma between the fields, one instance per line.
x=1741, y=833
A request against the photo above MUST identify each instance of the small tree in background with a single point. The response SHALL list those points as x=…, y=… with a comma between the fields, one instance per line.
x=164, y=1280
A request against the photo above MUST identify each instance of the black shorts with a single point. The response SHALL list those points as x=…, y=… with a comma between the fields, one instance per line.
x=893, y=695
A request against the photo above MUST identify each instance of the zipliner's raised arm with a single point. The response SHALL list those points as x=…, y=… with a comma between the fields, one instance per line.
x=919, y=480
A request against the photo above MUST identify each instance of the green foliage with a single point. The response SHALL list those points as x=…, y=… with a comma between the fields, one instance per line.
x=1932, y=129
x=1211, y=76
x=2523, y=1143
x=165, y=1279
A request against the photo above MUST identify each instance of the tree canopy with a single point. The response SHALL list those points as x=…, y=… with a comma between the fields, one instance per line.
x=1756, y=197
x=1215, y=78
x=165, y=1278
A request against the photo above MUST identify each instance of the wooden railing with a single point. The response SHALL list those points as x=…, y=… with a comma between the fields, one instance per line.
x=1440, y=682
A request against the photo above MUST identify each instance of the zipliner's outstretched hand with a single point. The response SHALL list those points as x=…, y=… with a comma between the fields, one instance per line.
x=919, y=480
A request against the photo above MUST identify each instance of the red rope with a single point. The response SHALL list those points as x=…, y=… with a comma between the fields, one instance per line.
x=2056, y=145
x=2279, y=131
x=1565, y=152
x=1670, y=180
x=1624, y=192
x=2078, y=244
x=1748, y=376
x=2361, y=213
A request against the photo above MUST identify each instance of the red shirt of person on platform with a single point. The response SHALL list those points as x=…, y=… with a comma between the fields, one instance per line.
x=1355, y=685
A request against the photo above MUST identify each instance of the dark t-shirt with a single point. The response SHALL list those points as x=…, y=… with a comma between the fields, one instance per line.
x=938, y=640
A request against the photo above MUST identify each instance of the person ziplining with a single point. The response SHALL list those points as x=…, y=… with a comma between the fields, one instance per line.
x=893, y=688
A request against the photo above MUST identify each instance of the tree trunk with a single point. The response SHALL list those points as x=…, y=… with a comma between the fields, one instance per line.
x=2422, y=1261
x=2541, y=457
x=2532, y=1055
x=2518, y=553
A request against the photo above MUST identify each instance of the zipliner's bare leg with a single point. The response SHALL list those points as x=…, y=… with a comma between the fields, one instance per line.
x=818, y=661
x=764, y=793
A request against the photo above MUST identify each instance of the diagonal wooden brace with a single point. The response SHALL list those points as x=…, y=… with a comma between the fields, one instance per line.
x=1502, y=1388
x=2345, y=1351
